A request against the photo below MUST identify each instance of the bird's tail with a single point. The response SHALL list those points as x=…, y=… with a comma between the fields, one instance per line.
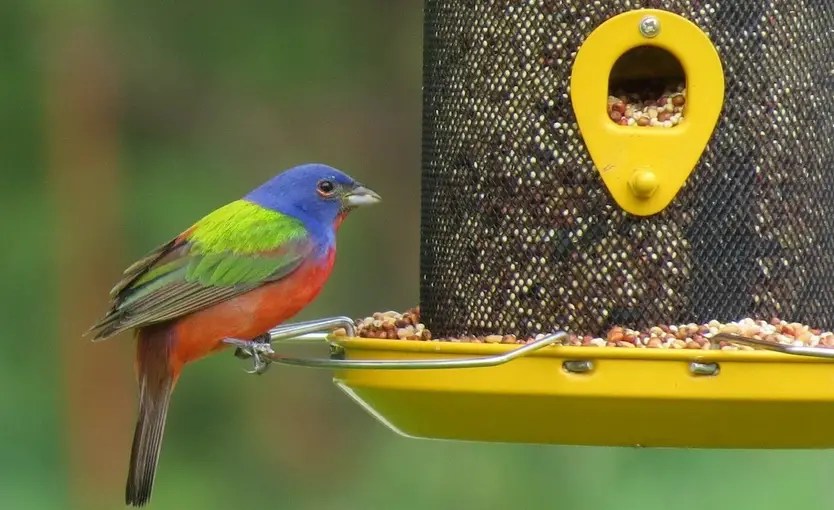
x=156, y=382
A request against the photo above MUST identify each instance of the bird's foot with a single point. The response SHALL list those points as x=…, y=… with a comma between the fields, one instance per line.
x=253, y=349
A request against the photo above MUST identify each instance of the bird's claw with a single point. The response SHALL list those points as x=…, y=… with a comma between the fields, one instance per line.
x=253, y=349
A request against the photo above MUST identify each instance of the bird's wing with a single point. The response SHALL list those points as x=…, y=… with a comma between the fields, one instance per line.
x=233, y=250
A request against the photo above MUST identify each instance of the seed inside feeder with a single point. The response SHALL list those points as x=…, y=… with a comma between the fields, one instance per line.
x=407, y=326
x=647, y=88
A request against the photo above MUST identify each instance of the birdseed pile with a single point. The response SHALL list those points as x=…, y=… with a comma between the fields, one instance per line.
x=394, y=325
x=647, y=109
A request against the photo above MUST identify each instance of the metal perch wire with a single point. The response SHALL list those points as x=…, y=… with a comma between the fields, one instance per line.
x=319, y=330
x=798, y=350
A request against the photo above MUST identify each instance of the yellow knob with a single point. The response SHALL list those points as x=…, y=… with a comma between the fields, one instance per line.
x=643, y=183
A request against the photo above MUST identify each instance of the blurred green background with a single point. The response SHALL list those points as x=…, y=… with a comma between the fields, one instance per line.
x=122, y=123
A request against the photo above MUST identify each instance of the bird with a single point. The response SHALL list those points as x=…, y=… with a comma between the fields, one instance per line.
x=238, y=271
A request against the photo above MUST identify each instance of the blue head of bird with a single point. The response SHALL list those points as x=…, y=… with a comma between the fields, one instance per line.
x=317, y=194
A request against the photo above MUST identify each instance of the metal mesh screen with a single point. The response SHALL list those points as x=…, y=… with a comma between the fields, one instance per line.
x=519, y=234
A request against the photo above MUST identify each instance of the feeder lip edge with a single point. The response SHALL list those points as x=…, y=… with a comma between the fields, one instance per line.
x=417, y=347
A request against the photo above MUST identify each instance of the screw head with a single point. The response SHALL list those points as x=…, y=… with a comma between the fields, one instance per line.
x=649, y=26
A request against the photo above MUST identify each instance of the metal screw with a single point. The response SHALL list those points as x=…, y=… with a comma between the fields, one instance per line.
x=578, y=366
x=649, y=26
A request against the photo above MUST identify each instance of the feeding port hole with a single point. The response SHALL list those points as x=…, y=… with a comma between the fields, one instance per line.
x=647, y=88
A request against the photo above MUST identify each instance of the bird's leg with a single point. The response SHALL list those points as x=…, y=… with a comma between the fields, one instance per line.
x=252, y=349
x=246, y=348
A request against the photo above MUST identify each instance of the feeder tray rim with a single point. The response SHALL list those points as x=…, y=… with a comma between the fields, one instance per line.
x=770, y=352
x=488, y=355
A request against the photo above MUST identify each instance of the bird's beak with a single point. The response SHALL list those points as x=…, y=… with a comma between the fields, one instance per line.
x=360, y=195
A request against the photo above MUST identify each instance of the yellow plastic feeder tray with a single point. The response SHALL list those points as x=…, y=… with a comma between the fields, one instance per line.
x=603, y=396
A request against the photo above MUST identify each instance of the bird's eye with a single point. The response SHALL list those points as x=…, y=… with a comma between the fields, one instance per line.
x=325, y=187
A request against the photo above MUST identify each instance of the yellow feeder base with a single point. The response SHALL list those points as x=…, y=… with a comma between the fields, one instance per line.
x=628, y=397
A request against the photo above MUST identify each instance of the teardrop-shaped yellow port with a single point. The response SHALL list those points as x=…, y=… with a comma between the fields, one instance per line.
x=645, y=161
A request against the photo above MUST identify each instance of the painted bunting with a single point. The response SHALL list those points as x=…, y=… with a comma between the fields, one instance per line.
x=230, y=277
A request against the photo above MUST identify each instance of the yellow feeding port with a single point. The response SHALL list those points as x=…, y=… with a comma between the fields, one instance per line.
x=647, y=88
x=598, y=396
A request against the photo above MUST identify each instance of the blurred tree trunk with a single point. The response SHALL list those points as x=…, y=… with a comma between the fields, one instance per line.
x=81, y=127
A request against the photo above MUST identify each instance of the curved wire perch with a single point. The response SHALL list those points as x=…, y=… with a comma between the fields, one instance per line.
x=485, y=361
x=291, y=331
x=260, y=349
x=798, y=350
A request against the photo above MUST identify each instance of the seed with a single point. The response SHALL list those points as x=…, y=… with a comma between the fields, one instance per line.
x=663, y=336
x=646, y=104
x=403, y=333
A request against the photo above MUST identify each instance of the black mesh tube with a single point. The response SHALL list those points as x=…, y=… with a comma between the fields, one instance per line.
x=519, y=234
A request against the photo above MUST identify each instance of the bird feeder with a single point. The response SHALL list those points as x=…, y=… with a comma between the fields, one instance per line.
x=595, y=164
